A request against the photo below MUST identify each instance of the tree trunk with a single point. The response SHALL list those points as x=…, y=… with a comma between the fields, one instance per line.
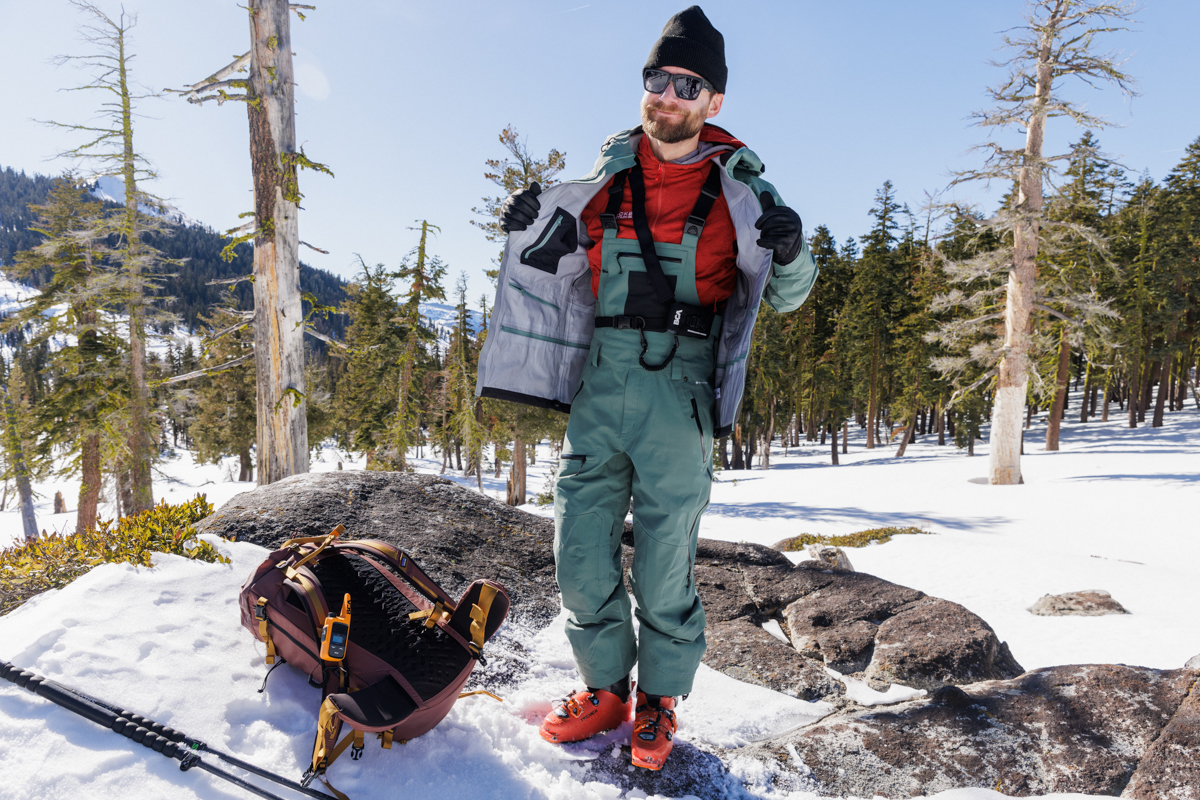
x=20, y=469
x=516, y=476
x=724, y=452
x=1146, y=390
x=1087, y=405
x=245, y=465
x=768, y=437
x=833, y=439
x=89, y=489
x=1060, y=395
x=736, y=441
x=138, y=437
x=845, y=437
x=941, y=424
x=907, y=436
x=1163, y=383
x=873, y=399
x=278, y=317
x=1013, y=376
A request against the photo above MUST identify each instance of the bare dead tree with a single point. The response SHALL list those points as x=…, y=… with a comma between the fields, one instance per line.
x=279, y=323
x=1059, y=41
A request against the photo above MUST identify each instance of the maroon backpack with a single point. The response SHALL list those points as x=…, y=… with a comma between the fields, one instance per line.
x=411, y=648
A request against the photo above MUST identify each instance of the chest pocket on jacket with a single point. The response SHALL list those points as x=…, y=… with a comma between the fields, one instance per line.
x=560, y=237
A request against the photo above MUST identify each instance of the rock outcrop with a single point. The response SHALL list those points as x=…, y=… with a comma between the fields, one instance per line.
x=1089, y=603
x=1099, y=729
x=1094, y=729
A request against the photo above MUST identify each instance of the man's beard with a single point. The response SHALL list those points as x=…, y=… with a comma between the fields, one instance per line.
x=672, y=132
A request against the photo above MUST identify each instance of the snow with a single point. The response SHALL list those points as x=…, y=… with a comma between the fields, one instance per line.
x=1110, y=510
x=112, y=189
x=864, y=695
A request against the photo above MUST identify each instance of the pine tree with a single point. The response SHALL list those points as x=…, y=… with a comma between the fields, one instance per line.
x=225, y=423
x=424, y=273
x=368, y=386
x=112, y=152
x=77, y=413
x=514, y=172
x=1058, y=42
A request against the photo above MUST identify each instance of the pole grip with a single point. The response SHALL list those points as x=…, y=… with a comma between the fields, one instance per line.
x=129, y=727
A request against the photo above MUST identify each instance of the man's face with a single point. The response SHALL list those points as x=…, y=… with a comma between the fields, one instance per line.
x=669, y=119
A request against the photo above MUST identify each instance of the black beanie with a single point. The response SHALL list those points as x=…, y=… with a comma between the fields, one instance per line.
x=690, y=41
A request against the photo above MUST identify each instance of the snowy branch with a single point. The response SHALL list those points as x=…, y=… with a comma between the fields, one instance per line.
x=223, y=281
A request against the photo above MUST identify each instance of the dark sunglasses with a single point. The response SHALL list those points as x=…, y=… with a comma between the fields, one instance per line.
x=687, y=87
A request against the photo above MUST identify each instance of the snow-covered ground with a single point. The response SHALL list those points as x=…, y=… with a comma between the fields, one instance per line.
x=1115, y=509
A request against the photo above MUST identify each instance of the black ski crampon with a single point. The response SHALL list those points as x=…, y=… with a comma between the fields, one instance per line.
x=159, y=738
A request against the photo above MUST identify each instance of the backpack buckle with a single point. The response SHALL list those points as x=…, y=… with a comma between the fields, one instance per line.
x=609, y=221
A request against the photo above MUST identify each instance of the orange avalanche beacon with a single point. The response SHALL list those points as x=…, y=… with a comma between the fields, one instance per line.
x=335, y=634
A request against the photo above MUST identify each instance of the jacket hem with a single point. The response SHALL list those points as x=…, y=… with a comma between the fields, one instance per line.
x=525, y=399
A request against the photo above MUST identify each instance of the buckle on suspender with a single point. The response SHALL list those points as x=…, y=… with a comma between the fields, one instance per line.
x=609, y=221
x=628, y=323
x=694, y=226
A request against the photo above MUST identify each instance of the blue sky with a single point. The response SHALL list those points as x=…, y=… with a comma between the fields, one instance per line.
x=404, y=100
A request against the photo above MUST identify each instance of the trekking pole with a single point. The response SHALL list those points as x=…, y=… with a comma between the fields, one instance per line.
x=198, y=746
x=159, y=738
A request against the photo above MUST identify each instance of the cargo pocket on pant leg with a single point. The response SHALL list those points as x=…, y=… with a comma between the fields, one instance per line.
x=583, y=561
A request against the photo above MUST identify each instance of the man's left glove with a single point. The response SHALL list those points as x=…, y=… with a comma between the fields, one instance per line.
x=782, y=230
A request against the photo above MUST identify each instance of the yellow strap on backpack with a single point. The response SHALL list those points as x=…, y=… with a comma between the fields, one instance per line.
x=479, y=614
x=325, y=541
x=260, y=612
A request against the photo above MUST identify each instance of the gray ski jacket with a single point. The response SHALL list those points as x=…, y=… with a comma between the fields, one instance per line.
x=544, y=314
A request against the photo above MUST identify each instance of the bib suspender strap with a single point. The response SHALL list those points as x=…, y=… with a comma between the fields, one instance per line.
x=616, y=193
x=641, y=226
x=709, y=193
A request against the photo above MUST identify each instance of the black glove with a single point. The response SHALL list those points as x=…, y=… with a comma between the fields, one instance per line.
x=520, y=209
x=782, y=230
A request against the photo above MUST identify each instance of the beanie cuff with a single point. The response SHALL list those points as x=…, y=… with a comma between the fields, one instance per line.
x=676, y=51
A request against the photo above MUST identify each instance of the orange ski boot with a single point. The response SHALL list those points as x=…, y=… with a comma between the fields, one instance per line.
x=587, y=713
x=653, y=731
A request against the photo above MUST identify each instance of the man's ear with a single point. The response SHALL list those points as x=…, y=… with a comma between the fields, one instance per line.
x=714, y=106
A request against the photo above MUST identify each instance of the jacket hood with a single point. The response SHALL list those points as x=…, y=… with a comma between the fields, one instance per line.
x=618, y=151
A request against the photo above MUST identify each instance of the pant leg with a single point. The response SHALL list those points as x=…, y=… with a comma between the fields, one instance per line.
x=672, y=462
x=591, y=499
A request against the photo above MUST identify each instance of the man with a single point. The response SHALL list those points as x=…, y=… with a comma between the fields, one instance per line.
x=629, y=298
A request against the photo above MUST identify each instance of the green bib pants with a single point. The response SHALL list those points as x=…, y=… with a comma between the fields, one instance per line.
x=646, y=434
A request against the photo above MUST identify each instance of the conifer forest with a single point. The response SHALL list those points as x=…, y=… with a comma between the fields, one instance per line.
x=910, y=332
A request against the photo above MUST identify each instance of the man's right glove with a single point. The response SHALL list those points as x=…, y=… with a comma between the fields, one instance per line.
x=520, y=209
x=782, y=230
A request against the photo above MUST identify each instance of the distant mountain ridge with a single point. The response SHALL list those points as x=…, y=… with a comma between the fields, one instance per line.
x=201, y=246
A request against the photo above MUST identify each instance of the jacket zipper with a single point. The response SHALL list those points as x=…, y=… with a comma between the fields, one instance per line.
x=532, y=296
x=545, y=238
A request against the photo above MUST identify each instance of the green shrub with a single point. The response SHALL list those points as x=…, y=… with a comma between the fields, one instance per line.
x=54, y=560
x=858, y=539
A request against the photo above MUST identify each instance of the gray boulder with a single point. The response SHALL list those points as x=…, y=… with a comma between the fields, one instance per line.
x=1096, y=729
x=1089, y=603
x=1193, y=662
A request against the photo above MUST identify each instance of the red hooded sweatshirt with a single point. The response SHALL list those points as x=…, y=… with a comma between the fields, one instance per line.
x=671, y=192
